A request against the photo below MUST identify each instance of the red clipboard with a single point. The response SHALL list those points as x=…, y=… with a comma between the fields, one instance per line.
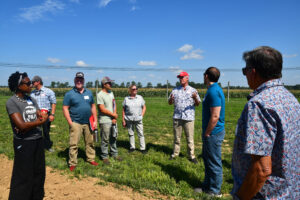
x=92, y=120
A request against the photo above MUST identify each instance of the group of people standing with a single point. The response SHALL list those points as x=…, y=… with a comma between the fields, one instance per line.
x=265, y=160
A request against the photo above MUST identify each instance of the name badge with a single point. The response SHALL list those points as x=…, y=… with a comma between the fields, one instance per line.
x=86, y=97
x=29, y=102
x=43, y=95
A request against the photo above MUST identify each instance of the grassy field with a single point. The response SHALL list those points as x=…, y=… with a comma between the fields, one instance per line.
x=153, y=171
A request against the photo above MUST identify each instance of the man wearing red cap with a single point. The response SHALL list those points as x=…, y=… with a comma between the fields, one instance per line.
x=184, y=98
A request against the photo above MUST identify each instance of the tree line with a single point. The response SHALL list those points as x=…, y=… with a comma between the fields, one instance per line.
x=91, y=84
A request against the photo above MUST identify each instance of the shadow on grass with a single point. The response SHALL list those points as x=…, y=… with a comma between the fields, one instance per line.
x=65, y=154
x=123, y=144
x=179, y=174
x=165, y=149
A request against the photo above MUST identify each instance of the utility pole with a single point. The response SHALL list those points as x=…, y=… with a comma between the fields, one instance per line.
x=167, y=89
x=228, y=92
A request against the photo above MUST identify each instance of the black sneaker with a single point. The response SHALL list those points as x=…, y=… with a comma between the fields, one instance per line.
x=194, y=160
x=144, y=152
x=172, y=158
x=131, y=150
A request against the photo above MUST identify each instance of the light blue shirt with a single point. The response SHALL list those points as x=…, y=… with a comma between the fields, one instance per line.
x=44, y=97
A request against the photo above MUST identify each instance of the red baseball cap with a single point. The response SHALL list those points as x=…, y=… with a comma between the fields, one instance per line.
x=182, y=74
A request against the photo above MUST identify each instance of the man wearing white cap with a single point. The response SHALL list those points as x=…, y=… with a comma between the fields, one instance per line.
x=184, y=98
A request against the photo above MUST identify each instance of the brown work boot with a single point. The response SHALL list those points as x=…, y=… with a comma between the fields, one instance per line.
x=106, y=161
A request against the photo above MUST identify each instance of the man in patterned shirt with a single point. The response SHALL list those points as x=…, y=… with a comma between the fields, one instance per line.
x=46, y=100
x=184, y=99
x=265, y=160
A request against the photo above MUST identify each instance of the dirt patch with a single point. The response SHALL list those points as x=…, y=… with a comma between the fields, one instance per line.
x=60, y=187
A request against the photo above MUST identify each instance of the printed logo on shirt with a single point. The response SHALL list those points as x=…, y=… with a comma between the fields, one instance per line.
x=29, y=114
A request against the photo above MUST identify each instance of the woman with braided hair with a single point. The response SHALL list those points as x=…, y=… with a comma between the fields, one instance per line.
x=28, y=174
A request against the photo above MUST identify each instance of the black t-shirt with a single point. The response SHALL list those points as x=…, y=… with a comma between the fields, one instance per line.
x=27, y=109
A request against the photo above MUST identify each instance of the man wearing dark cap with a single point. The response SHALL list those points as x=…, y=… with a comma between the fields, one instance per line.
x=46, y=101
x=78, y=106
x=184, y=98
x=108, y=120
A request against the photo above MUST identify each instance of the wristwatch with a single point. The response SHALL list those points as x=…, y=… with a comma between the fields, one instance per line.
x=52, y=114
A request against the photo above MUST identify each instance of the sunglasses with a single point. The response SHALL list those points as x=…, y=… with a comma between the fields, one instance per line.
x=134, y=89
x=245, y=69
x=27, y=83
x=79, y=80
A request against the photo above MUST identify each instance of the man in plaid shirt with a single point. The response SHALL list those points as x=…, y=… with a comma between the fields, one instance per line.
x=46, y=100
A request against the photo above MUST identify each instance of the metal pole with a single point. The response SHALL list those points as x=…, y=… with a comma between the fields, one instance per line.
x=228, y=92
x=97, y=89
x=167, y=89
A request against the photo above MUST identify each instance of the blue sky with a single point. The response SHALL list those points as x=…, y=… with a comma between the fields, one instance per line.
x=158, y=38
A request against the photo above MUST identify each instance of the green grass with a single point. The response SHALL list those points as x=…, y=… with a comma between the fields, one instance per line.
x=153, y=171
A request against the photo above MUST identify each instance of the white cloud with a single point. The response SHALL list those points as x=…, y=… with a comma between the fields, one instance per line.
x=132, y=77
x=38, y=12
x=185, y=48
x=133, y=8
x=151, y=75
x=290, y=55
x=175, y=69
x=195, y=54
x=104, y=3
x=147, y=63
x=54, y=60
x=81, y=63
x=100, y=71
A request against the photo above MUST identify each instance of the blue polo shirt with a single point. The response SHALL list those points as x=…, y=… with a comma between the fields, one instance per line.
x=214, y=97
x=80, y=105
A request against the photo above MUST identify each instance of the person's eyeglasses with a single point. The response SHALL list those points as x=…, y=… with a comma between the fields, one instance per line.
x=79, y=80
x=134, y=89
x=28, y=83
x=245, y=69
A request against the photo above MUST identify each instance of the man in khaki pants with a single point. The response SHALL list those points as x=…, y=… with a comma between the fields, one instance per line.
x=184, y=98
x=78, y=106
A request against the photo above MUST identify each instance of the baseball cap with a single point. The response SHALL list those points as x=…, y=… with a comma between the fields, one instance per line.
x=182, y=74
x=106, y=80
x=36, y=79
x=79, y=75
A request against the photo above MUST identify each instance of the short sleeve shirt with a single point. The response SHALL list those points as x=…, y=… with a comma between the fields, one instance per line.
x=133, y=107
x=108, y=100
x=27, y=109
x=214, y=97
x=270, y=126
x=184, y=105
x=44, y=97
x=79, y=105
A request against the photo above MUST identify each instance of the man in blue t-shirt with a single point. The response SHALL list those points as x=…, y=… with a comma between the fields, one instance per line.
x=78, y=106
x=213, y=121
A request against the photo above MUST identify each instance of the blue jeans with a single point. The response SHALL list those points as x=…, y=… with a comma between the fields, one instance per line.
x=211, y=152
